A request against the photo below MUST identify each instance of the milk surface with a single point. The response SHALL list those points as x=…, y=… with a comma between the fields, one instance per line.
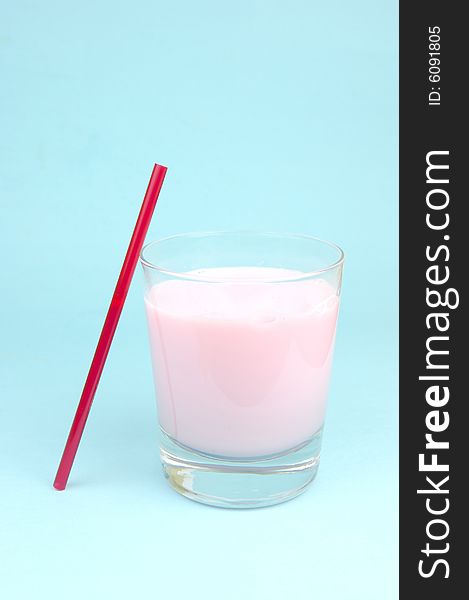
x=241, y=367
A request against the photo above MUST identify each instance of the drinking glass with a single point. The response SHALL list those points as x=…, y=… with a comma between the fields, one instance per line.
x=242, y=329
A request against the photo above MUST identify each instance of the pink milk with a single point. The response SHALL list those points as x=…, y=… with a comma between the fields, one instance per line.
x=241, y=367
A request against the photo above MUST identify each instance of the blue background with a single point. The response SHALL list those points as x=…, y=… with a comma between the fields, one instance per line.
x=270, y=115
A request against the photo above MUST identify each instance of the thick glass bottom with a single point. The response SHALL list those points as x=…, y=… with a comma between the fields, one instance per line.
x=240, y=483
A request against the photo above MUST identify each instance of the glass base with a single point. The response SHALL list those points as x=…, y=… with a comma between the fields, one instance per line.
x=240, y=483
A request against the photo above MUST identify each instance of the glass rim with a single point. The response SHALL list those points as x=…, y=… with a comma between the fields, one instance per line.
x=267, y=234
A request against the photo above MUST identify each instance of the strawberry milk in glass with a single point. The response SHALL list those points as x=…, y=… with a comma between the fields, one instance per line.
x=241, y=329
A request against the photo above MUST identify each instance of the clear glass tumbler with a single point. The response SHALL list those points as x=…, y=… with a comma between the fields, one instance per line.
x=242, y=329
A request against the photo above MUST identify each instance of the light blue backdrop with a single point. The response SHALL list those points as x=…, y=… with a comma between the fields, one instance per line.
x=270, y=115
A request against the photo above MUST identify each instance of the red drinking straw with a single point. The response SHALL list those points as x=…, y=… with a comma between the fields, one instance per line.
x=110, y=325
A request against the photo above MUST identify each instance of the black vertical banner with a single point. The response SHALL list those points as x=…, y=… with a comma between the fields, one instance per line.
x=434, y=256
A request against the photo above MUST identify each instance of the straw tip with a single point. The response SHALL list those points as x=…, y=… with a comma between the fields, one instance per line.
x=59, y=486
